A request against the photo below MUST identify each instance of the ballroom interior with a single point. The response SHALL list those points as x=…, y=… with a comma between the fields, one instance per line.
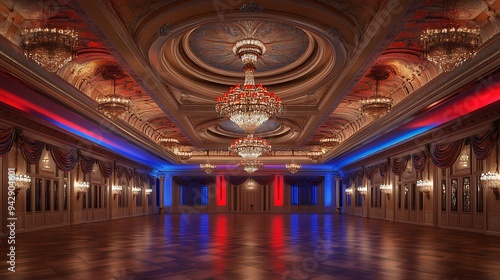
x=123, y=110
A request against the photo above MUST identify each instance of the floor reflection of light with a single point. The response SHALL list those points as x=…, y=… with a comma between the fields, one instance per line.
x=220, y=239
x=277, y=242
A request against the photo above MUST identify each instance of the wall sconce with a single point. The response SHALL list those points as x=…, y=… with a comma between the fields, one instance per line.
x=149, y=191
x=362, y=190
x=386, y=189
x=425, y=187
x=136, y=190
x=348, y=191
x=81, y=187
x=490, y=179
x=116, y=190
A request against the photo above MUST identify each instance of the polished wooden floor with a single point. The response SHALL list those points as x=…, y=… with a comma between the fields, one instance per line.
x=253, y=246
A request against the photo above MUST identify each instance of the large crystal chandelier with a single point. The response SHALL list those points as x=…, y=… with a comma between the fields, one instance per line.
x=51, y=48
x=250, y=165
x=376, y=105
x=250, y=147
x=449, y=45
x=113, y=105
x=249, y=105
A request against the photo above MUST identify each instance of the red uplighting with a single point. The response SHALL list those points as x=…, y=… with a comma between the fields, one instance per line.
x=278, y=190
x=220, y=191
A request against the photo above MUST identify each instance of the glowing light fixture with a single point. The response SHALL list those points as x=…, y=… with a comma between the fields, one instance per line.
x=386, y=189
x=250, y=147
x=167, y=142
x=22, y=181
x=329, y=142
x=315, y=155
x=492, y=179
x=136, y=190
x=362, y=190
x=183, y=156
x=46, y=161
x=449, y=45
x=425, y=186
x=464, y=159
x=113, y=106
x=251, y=165
x=250, y=184
x=207, y=166
x=82, y=186
x=376, y=105
x=248, y=105
x=348, y=191
x=293, y=167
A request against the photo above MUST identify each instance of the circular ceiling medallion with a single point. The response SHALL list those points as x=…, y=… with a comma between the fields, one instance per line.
x=212, y=44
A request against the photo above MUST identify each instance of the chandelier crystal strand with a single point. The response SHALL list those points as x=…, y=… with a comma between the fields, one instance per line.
x=248, y=105
x=250, y=147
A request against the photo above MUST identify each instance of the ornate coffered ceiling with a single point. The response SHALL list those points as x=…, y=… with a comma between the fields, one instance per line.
x=173, y=58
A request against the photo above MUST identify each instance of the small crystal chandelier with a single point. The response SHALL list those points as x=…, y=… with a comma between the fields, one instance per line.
x=293, y=167
x=250, y=184
x=207, y=166
x=167, y=142
x=249, y=105
x=250, y=147
x=329, y=142
x=113, y=105
x=50, y=48
x=376, y=105
x=315, y=155
x=46, y=161
x=449, y=45
x=251, y=165
x=183, y=156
